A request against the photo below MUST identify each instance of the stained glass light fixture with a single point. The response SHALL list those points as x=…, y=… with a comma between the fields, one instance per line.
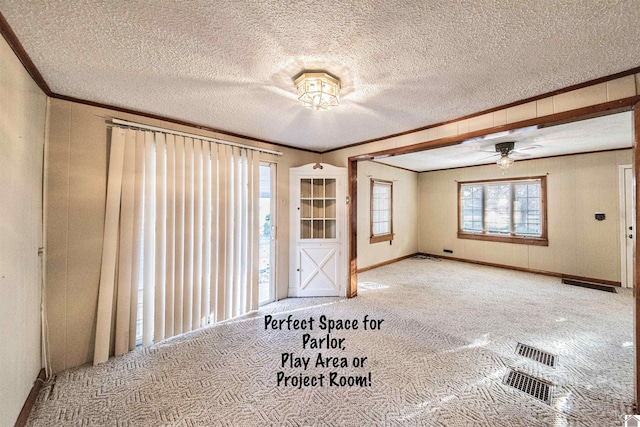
x=318, y=90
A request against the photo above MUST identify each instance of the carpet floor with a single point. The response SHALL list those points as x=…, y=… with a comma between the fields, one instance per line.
x=448, y=335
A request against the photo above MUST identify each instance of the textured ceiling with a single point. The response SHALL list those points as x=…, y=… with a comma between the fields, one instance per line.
x=403, y=65
x=602, y=133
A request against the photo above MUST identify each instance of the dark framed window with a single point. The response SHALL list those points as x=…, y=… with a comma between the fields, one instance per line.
x=381, y=210
x=512, y=211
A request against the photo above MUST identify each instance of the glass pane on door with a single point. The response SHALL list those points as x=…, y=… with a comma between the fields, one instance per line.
x=265, y=248
x=318, y=208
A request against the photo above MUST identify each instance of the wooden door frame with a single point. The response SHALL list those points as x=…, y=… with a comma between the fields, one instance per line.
x=613, y=107
x=623, y=232
x=636, y=266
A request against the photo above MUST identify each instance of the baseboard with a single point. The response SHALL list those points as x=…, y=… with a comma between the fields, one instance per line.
x=530, y=270
x=391, y=261
x=31, y=399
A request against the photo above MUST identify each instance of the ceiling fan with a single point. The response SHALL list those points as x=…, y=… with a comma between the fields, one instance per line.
x=508, y=154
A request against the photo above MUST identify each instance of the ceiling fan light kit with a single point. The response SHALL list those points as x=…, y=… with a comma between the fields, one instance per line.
x=504, y=148
x=318, y=90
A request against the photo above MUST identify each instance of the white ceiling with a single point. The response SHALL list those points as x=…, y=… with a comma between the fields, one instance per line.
x=602, y=133
x=229, y=64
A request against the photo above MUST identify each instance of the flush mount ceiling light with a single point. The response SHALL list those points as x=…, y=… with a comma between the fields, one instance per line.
x=318, y=90
x=505, y=148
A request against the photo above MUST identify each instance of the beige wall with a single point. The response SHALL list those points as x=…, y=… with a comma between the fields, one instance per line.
x=577, y=186
x=405, y=214
x=77, y=156
x=22, y=130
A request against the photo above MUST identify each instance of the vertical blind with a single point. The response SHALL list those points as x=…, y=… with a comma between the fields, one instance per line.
x=181, y=232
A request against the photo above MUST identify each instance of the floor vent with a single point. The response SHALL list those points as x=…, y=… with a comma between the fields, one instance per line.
x=536, y=354
x=533, y=386
x=599, y=287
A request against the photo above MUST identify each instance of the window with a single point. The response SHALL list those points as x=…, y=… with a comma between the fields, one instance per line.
x=504, y=210
x=381, y=211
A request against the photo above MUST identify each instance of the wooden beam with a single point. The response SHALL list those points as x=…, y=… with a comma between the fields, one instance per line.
x=352, y=173
x=498, y=108
x=570, y=116
x=636, y=265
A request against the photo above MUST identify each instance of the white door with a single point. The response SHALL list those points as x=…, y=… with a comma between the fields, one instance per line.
x=627, y=219
x=318, y=231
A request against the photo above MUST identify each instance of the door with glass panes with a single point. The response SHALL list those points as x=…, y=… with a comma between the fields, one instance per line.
x=318, y=231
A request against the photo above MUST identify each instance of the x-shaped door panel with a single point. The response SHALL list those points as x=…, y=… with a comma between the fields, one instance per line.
x=318, y=269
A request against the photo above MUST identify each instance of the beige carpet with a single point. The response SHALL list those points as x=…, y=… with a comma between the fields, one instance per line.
x=449, y=335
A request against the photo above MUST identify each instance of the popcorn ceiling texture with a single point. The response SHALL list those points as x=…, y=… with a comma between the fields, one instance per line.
x=229, y=64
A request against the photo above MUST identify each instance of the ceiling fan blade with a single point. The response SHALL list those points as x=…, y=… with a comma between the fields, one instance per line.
x=500, y=134
x=494, y=155
x=528, y=147
x=516, y=155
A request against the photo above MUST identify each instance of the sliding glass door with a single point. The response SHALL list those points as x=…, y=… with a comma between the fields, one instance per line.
x=267, y=222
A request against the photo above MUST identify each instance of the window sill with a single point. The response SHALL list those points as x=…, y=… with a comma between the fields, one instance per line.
x=378, y=239
x=535, y=241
